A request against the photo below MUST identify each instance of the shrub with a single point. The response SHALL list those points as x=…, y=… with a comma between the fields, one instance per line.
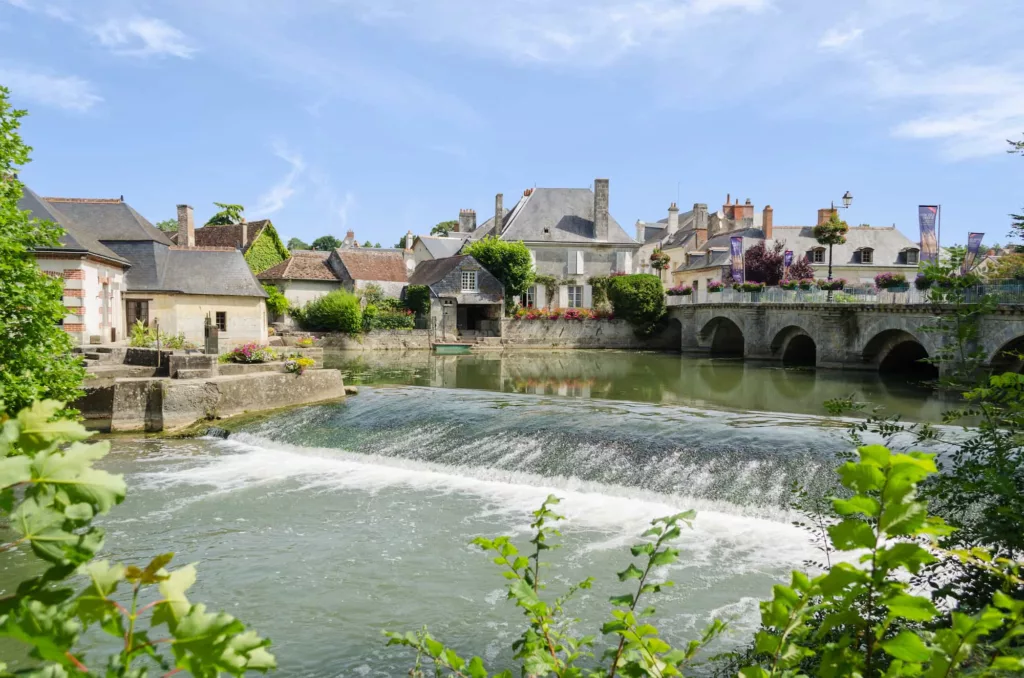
x=680, y=291
x=373, y=295
x=399, y=319
x=417, y=299
x=640, y=299
x=761, y=264
x=337, y=311
x=716, y=286
x=885, y=281
x=141, y=336
x=801, y=269
x=507, y=261
x=277, y=303
x=370, y=314
x=299, y=365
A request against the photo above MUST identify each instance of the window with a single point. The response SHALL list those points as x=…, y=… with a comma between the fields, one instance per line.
x=527, y=300
x=575, y=296
x=696, y=286
x=222, y=321
x=867, y=255
x=135, y=310
x=469, y=281
x=913, y=257
x=818, y=255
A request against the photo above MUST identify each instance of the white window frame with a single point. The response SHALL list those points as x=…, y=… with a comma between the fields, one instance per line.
x=916, y=255
x=870, y=259
x=574, y=295
x=529, y=300
x=473, y=277
x=816, y=253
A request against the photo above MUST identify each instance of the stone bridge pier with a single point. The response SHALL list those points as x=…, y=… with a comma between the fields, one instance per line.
x=893, y=339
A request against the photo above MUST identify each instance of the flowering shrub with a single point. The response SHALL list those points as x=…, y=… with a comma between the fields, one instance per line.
x=836, y=284
x=602, y=314
x=885, y=281
x=521, y=313
x=788, y=284
x=680, y=291
x=737, y=286
x=305, y=342
x=806, y=284
x=563, y=314
x=716, y=286
x=252, y=353
x=922, y=281
x=299, y=365
x=752, y=287
x=576, y=314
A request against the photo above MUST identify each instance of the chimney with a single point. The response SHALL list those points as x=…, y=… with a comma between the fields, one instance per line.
x=673, y=219
x=727, y=208
x=244, y=235
x=467, y=221
x=825, y=214
x=350, y=239
x=499, y=213
x=186, y=226
x=407, y=255
x=409, y=237
x=766, y=222
x=747, y=211
x=700, y=223
x=601, y=210
x=640, y=228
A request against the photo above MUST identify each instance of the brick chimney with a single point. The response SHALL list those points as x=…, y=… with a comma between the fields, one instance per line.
x=467, y=221
x=499, y=213
x=727, y=207
x=601, y=210
x=766, y=222
x=700, y=223
x=673, y=219
x=186, y=226
x=825, y=214
x=746, y=211
x=350, y=239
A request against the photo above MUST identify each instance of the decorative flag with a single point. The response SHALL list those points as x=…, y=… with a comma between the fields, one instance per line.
x=736, y=247
x=787, y=260
x=928, y=216
x=973, y=246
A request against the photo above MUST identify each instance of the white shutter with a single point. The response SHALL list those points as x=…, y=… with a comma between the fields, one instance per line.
x=579, y=262
x=629, y=262
x=571, y=263
x=533, y=258
x=563, y=296
x=620, y=264
x=588, y=296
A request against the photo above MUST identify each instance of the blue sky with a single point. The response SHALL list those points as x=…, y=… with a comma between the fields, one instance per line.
x=388, y=115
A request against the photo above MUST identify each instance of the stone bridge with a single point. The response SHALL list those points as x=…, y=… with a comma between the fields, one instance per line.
x=840, y=336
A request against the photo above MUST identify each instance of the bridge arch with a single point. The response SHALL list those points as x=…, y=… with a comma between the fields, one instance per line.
x=897, y=351
x=724, y=337
x=1008, y=357
x=795, y=346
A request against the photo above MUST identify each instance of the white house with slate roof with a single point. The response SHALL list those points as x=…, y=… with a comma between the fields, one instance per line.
x=175, y=286
x=571, y=236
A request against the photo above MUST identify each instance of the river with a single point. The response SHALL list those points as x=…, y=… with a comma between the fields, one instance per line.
x=325, y=525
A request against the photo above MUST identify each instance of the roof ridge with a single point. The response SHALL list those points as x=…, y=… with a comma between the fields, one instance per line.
x=101, y=201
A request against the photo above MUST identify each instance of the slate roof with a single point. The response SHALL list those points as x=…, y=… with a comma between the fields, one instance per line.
x=229, y=235
x=370, y=263
x=107, y=219
x=886, y=241
x=310, y=265
x=215, y=272
x=655, y=231
x=439, y=248
x=713, y=258
x=432, y=271
x=566, y=213
x=74, y=239
x=751, y=236
x=487, y=228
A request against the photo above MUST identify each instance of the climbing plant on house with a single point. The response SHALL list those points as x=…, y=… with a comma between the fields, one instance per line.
x=267, y=250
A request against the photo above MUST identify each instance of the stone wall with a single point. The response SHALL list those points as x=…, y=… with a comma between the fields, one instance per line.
x=378, y=340
x=583, y=334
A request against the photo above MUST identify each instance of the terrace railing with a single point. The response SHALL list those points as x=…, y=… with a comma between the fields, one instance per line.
x=1003, y=292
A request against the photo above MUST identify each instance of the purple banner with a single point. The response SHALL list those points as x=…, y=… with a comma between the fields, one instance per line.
x=927, y=217
x=787, y=260
x=736, y=250
x=973, y=247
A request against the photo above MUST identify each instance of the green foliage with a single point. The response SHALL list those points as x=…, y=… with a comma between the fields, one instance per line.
x=297, y=244
x=832, y=232
x=1017, y=223
x=444, y=228
x=266, y=251
x=142, y=336
x=50, y=493
x=509, y=262
x=372, y=294
x=228, y=214
x=640, y=299
x=417, y=299
x=337, y=311
x=384, y=318
x=599, y=290
x=277, y=303
x=550, y=284
x=35, y=353
x=168, y=225
x=326, y=243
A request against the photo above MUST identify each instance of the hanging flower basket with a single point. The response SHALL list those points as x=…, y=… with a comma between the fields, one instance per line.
x=715, y=286
x=788, y=284
x=923, y=282
x=680, y=291
x=806, y=284
x=891, y=281
x=832, y=285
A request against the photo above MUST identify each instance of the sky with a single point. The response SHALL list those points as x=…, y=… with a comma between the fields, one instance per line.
x=383, y=116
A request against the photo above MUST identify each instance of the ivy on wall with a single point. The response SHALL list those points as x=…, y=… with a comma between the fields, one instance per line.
x=266, y=251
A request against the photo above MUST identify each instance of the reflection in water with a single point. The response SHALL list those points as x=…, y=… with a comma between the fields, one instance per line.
x=644, y=377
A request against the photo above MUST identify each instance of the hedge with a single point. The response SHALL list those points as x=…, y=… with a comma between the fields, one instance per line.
x=638, y=298
x=337, y=311
x=417, y=299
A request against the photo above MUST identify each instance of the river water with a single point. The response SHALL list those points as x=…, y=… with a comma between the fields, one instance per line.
x=325, y=525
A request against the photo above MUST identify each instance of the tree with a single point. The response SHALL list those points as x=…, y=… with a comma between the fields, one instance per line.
x=761, y=264
x=228, y=214
x=801, y=269
x=640, y=299
x=36, y=362
x=326, y=242
x=509, y=262
x=367, y=244
x=401, y=243
x=1009, y=266
x=444, y=228
x=377, y=245
x=168, y=225
x=832, y=232
x=296, y=244
x=1017, y=226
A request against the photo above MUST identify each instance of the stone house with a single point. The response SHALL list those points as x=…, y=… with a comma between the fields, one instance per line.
x=301, y=278
x=427, y=247
x=93, y=275
x=257, y=240
x=174, y=286
x=466, y=299
x=571, y=236
x=357, y=267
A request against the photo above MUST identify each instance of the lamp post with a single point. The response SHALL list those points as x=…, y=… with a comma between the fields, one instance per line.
x=847, y=201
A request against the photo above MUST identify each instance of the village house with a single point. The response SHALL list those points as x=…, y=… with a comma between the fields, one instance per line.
x=427, y=247
x=466, y=300
x=358, y=267
x=301, y=278
x=257, y=240
x=571, y=237
x=175, y=286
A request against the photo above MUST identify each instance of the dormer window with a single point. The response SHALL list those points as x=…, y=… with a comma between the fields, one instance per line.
x=867, y=255
x=912, y=256
x=818, y=255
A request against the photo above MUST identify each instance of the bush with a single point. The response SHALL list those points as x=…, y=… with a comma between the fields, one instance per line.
x=922, y=281
x=640, y=299
x=800, y=269
x=277, y=303
x=337, y=311
x=761, y=264
x=417, y=299
x=388, y=319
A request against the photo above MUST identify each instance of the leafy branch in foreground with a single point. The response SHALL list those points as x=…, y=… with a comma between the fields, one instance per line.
x=50, y=492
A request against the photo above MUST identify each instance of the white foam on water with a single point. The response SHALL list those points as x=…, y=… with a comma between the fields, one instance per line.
x=722, y=536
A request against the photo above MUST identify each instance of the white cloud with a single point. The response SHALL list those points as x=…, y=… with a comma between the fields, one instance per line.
x=837, y=39
x=67, y=92
x=341, y=209
x=275, y=198
x=144, y=36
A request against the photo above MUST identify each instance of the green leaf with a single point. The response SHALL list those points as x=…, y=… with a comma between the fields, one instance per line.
x=14, y=470
x=72, y=471
x=907, y=646
x=174, y=605
x=476, y=668
x=856, y=504
x=912, y=608
x=625, y=600
x=852, y=534
x=631, y=572
x=664, y=557
x=861, y=477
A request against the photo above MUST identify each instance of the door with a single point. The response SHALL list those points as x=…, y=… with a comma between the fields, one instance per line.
x=136, y=309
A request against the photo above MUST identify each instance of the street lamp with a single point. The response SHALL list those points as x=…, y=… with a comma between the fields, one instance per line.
x=847, y=201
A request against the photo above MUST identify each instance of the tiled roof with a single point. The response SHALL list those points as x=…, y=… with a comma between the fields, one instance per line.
x=230, y=235
x=367, y=263
x=301, y=266
x=886, y=241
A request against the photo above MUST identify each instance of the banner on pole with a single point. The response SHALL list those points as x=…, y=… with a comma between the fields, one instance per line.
x=927, y=216
x=973, y=247
x=787, y=260
x=736, y=249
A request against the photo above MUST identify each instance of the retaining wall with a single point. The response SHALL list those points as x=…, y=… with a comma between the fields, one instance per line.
x=582, y=334
x=378, y=340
